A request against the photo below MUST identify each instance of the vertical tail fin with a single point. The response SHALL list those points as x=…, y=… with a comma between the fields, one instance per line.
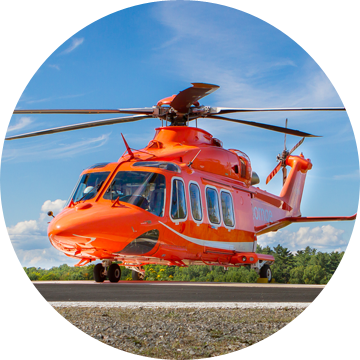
x=292, y=190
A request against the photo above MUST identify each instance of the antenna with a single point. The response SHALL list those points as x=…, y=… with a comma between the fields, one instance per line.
x=190, y=163
x=128, y=148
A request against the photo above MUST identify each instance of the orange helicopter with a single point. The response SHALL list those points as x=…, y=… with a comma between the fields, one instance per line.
x=182, y=200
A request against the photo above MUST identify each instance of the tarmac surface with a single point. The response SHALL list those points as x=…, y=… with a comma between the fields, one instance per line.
x=175, y=292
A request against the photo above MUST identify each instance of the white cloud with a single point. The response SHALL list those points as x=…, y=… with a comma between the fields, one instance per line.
x=31, y=243
x=24, y=121
x=52, y=150
x=10, y=64
x=250, y=83
x=328, y=78
x=60, y=12
x=349, y=176
x=54, y=66
x=75, y=43
x=54, y=206
x=323, y=238
x=34, y=227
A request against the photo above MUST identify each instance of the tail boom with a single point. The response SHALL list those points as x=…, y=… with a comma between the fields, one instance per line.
x=278, y=224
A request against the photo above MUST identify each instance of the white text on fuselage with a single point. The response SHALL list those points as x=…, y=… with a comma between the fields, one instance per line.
x=261, y=214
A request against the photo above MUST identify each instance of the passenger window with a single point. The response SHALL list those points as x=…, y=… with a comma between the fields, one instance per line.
x=213, y=205
x=227, y=209
x=178, y=204
x=195, y=202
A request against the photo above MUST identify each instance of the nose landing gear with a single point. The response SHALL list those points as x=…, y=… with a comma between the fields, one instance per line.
x=137, y=273
x=107, y=269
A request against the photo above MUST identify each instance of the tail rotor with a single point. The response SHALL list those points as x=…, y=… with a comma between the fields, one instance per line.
x=281, y=158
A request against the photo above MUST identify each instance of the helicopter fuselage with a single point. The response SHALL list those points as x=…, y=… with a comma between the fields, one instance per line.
x=181, y=200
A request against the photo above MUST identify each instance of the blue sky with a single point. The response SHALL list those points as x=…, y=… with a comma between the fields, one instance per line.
x=137, y=56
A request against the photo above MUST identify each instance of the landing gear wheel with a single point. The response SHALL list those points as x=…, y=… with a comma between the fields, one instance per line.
x=265, y=272
x=114, y=273
x=99, y=275
x=136, y=275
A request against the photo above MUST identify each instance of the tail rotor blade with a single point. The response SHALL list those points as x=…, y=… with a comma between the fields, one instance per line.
x=284, y=169
x=273, y=173
x=296, y=146
x=286, y=123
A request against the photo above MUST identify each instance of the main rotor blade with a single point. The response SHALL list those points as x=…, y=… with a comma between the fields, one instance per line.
x=87, y=111
x=274, y=172
x=184, y=99
x=266, y=126
x=81, y=126
x=222, y=110
x=296, y=146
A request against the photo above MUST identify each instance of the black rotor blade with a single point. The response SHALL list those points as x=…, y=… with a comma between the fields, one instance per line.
x=81, y=126
x=221, y=110
x=184, y=99
x=144, y=111
x=266, y=126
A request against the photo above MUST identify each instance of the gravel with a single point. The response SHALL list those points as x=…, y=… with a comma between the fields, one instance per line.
x=179, y=332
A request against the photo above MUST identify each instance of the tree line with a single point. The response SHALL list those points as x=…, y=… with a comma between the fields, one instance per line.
x=307, y=266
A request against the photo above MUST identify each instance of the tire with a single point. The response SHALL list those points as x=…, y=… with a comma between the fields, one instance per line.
x=136, y=276
x=99, y=273
x=265, y=272
x=114, y=273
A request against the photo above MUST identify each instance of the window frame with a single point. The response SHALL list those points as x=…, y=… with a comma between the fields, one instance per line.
x=177, y=221
x=233, y=209
x=201, y=207
x=207, y=208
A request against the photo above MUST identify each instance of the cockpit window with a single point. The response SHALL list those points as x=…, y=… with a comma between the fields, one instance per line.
x=143, y=189
x=99, y=165
x=159, y=164
x=89, y=185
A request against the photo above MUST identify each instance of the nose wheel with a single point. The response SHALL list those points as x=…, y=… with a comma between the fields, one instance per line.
x=113, y=272
x=136, y=275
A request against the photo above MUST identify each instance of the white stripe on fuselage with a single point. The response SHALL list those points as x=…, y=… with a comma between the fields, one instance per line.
x=86, y=237
x=235, y=246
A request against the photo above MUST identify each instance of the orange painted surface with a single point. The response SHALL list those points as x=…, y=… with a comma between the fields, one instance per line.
x=100, y=228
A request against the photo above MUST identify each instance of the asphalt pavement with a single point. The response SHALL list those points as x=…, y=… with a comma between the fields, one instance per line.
x=142, y=291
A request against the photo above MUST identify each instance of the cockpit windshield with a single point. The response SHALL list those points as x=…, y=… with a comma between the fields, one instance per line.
x=143, y=189
x=89, y=185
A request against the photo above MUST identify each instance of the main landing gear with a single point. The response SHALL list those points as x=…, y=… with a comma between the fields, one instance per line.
x=107, y=269
x=266, y=273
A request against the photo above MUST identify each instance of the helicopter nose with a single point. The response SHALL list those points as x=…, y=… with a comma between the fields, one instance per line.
x=96, y=228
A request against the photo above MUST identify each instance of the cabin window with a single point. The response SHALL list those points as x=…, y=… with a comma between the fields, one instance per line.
x=145, y=190
x=89, y=185
x=227, y=209
x=178, y=202
x=195, y=202
x=213, y=205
